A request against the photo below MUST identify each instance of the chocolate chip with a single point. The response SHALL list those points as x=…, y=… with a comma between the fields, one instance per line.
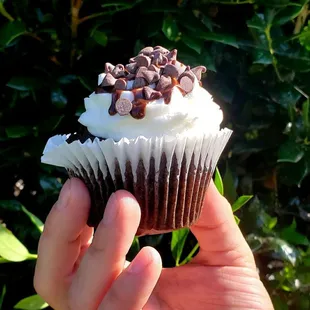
x=163, y=83
x=139, y=82
x=172, y=71
x=164, y=61
x=140, y=72
x=186, y=84
x=118, y=71
x=153, y=68
x=147, y=50
x=157, y=58
x=143, y=61
x=161, y=49
x=189, y=74
x=120, y=84
x=151, y=94
x=198, y=71
x=108, y=80
x=172, y=55
x=132, y=67
x=123, y=106
x=108, y=67
x=151, y=76
x=130, y=76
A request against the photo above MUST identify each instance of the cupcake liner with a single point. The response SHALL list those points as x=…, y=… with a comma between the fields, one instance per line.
x=167, y=175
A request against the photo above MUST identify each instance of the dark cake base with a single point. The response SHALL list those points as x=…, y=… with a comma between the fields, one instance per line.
x=171, y=202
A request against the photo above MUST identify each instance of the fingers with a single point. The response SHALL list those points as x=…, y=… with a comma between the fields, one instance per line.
x=134, y=286
x=105, y=258
x=65, y=232
x=220, y=239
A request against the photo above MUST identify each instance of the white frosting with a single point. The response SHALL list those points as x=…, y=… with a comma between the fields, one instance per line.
x=192, y=114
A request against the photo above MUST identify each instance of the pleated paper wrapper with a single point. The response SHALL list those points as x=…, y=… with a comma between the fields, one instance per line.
x=167, y=175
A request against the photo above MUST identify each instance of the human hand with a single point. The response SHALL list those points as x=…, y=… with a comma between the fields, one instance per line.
x=77, y=272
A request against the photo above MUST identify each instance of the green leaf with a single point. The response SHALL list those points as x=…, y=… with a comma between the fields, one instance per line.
x=305, y=116
x=18, y=131
x=177, y=243
x=218, y=181
x=280, y=248
x=11, y=205
x=190, y=255
x=10, y=31
x=24, y=83
x=100, y=37
x=34, y=302
x=273, y=3
x=257, y=22
x=262, y=57
x=67, y=79
x=192, y=42
x=35, y=220
x=153, y=240
x=287, y=14
x=170, y=28
x=136, y=244
x=304, y=37
x=284, y=94
x=50, y=185
x=2, y=295
x=278, y=303
x=272, y=223
x=227, y=39
x=11, y=248
x=229, y=185
x=237, y=219
x=297, y=60
x=58, y=98
x=293, y=174
x=240, y=202
x=292, y=236
x=290, y=152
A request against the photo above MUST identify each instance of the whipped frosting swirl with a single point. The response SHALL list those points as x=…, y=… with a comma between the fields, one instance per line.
x=171, y=102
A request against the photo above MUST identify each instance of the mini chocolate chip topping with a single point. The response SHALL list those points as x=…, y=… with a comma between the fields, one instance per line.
x=123, y=106
x=150, y=75
x=120, y=84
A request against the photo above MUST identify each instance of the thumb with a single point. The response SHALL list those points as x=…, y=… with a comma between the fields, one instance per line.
x=220, y=239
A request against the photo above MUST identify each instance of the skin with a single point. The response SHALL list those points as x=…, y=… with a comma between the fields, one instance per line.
x=78, y=271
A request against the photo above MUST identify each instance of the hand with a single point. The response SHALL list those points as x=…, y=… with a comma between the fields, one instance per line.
x=77, y=272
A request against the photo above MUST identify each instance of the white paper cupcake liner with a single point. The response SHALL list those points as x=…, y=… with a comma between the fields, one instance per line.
x=167, y=175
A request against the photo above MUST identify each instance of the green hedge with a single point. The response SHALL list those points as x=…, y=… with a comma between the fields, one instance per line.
x=258, y=57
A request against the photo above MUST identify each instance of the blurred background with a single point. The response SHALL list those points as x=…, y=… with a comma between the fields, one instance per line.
x=258, y=57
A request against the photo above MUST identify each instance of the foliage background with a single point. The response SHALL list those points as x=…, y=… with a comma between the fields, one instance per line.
x=258, y=57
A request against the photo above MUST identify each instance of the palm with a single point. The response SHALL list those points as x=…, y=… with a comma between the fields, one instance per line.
x=207, y=288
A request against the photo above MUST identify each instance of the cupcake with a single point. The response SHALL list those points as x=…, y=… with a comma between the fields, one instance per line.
x=149, y=128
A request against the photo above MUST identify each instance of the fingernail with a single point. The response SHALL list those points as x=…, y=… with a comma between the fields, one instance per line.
x=142, y=262
x=110, y=211
x=64, y=195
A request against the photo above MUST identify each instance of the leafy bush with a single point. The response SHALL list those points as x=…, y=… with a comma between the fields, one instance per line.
x=257, y=53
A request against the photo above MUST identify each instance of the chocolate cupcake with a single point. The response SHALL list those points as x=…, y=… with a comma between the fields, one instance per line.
x=149, y=128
